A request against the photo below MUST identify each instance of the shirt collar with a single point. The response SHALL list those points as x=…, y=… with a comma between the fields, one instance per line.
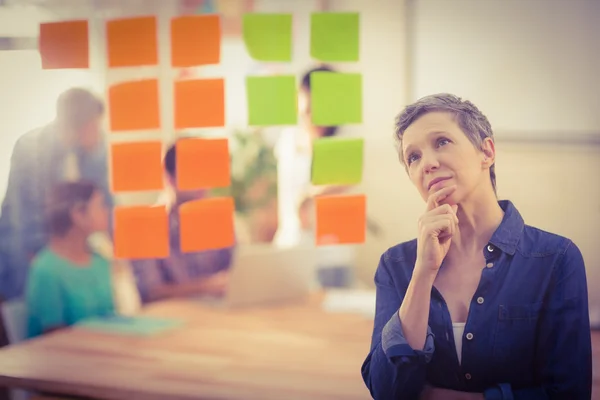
x=507, y=235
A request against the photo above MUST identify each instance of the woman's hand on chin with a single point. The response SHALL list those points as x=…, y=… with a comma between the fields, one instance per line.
x=436, y=228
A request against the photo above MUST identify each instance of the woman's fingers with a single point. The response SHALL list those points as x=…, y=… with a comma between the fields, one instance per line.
x=439, y=225
x=436, y=198
x=444, y=209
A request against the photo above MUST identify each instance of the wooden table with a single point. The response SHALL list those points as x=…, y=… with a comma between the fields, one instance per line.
x=280, y=353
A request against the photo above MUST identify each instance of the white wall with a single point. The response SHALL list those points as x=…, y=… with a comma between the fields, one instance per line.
x=531, y=65
x=556, y=188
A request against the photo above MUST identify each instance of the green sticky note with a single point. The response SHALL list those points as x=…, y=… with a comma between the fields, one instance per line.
x=135, y=326
x=337, y=161
x=336, y=98
x=334, y=36
x=268, y=37
x=272, y=100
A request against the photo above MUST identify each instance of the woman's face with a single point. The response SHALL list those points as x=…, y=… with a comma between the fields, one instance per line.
x=304, y=105
x=304, y=109
x=92, y=217
x=438, y=154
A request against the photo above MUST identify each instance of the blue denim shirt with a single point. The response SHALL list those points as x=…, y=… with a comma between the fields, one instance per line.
x=37, y=164
x=527, y=334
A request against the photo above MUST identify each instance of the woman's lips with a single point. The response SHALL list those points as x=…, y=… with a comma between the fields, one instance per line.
x=437, y=183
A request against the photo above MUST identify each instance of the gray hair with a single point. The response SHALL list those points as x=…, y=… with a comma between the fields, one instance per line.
x=473, y=123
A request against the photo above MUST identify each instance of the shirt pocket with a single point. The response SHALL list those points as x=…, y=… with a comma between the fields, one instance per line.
x=520, y=312
x=515, y=337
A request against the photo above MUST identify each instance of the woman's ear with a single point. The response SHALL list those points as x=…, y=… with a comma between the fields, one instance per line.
x=488, y=149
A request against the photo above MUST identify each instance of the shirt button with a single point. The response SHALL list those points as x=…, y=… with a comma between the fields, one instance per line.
x=489, y=265
x=469, y=336
x=468, y=376
x=480, y=300
x=490, y=248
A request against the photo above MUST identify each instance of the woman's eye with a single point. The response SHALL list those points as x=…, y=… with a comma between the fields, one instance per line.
x=412, y=158
x=443, y=141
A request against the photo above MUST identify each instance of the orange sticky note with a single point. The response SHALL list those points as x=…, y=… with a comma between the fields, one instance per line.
x=195, y=40
x=134, y=106
x=202, y=163
x=141, y=232
x=132, y=42
x=64, y=45
x=199, y=103
x=341, y=219
x=206, y=224
x=136, y=166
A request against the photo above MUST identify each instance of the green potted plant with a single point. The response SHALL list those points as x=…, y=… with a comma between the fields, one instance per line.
x=253, y=184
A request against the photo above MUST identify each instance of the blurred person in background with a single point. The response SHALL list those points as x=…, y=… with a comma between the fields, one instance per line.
x=69, y=148
x=480, y=305
x=68, y=282
x=296, y=192
x=181, y=274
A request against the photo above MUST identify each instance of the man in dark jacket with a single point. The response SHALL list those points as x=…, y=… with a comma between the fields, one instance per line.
x=69, y=148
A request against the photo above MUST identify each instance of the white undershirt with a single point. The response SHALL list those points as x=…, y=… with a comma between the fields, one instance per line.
x=71, y=167
x=293, y=171
x=459, y=330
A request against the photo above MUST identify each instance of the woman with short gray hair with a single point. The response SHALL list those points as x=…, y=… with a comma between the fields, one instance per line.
x=480, y=305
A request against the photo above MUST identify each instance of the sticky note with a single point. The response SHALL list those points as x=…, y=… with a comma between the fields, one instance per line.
x=272, y=100
x=199, y=103
x=136, y=166
x=337, y=161
x=132, y=42
x=336, y=98
x=141, y=232
x=268, y=37
x=206, y=224
x=64, y=45
x=202, y=163
x=134, y=106
x=340, y=219
x=130, y=325
x=334, y=36
x=195, y=40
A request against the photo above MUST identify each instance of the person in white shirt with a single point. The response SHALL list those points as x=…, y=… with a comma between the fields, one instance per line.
x=296, y=193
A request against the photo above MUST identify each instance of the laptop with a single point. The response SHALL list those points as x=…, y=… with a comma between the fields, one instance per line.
x=265, y=275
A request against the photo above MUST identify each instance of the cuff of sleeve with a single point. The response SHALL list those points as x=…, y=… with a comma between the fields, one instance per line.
x=502, y=391
x=396, y=347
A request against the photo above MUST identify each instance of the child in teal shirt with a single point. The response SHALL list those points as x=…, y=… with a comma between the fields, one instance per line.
x=67, y=281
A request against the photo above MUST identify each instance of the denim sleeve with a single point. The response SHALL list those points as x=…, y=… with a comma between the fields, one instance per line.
x=148, y=275
x=395, y=345
x=392, y=369
x=224, y=258
x=564, y=349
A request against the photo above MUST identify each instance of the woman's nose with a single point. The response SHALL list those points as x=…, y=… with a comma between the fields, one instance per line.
x=429, y=162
